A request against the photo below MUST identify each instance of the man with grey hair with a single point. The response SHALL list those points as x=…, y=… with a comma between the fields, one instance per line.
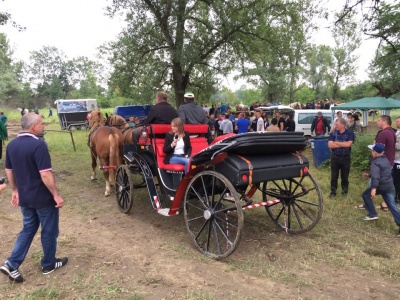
x=28, y=169
x=340, y=141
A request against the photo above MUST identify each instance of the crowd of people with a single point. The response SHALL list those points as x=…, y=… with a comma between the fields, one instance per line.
x=384, y=174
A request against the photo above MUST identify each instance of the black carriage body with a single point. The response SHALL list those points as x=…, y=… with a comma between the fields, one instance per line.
x=243, y=170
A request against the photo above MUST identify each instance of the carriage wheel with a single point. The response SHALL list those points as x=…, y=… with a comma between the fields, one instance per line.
x=124, y=189
x=300, y=206
x=213, y=214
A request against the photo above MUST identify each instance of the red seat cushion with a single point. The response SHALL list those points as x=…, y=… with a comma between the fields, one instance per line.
x=198, y=143
x=160, y=159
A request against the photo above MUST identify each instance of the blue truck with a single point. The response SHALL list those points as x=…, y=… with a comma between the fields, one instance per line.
x=138, y=111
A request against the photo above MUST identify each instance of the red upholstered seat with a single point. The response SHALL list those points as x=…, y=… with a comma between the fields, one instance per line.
x=160, y=158
x=198, y=143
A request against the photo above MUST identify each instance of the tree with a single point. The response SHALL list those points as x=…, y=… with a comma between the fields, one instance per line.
x=277, y=57
x=318, y=62
x=165, y=42
x=385, y=68
x=56, y=77
x=347, y=40
x=9, y=85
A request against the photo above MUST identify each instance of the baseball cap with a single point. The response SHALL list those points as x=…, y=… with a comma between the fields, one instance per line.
x=378, y=147
x=319, y=113
x=188, y=95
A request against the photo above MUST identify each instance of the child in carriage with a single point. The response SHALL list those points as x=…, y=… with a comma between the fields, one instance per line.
x=177, y=145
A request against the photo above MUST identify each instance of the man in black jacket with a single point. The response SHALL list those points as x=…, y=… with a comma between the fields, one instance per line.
x=161, y=113
x=190, y=112
x=320, y=125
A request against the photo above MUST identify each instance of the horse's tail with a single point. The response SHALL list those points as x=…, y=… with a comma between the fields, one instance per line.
x=115, y=159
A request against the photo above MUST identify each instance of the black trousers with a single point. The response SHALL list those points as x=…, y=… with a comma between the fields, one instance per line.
x=340, y=164
x=396, y=180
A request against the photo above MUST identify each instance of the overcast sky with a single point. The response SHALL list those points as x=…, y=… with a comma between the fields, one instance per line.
x=78, y=27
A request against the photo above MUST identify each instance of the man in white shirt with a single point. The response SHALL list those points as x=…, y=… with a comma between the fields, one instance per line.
x=260, y=121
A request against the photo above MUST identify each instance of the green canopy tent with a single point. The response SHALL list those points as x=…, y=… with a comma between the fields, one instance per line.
x=364, y=104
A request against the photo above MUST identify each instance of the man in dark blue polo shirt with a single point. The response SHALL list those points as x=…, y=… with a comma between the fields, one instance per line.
x=28, y=169
x=340, y=141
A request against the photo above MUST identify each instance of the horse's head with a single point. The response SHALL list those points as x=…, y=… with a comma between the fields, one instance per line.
x=96, y=119
x=116, y=121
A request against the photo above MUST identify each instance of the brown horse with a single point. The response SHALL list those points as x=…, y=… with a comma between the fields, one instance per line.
x=119, y=122
x=106, y=144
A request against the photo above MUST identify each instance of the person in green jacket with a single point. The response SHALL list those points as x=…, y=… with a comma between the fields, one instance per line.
x=3, y=137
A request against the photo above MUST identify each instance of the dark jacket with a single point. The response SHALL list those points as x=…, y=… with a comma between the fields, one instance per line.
x=169, y=151
x=161, y=113
x=192, y=113
x=325, y=125
x=381, y=173
x=3, y=131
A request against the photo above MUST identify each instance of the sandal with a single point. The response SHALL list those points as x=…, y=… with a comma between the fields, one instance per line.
x=361, y=206
x=380, y=206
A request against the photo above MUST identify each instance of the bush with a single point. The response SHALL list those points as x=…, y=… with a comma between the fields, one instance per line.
x=360, y=153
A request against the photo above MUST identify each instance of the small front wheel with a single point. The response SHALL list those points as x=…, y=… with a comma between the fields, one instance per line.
x=213, y=214
x=124, y=189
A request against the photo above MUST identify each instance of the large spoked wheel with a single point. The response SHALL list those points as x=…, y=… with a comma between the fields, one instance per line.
x=124, y=189
x=213, y=214
x=299, y=207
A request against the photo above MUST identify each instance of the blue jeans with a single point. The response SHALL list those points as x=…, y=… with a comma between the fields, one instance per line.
x=48, y=218
x=180, y=160
x=388, y=197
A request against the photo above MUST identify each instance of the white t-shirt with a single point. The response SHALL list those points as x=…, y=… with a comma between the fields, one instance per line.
x=260, y=121
x=180, y=147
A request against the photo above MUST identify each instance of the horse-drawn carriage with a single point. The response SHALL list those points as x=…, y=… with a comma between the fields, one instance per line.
x=233, y=174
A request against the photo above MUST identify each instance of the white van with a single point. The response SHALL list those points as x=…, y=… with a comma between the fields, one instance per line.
x=304, y=118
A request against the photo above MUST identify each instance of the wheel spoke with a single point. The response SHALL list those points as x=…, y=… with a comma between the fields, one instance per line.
x=223, y=233
x=217, y=243
x=195, y=206
x=227, y=221
x=199, y=197
x=297, y=216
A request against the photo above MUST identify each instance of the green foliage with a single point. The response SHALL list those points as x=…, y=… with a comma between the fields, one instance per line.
x=358, y=91
x=305, y=94
x=248, y=96
x=185, y=44
x=9, y=84
x=347, y=41
x=360, y=153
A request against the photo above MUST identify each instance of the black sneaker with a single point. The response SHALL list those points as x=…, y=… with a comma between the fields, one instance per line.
x=398, y=233
x=60, y=262
x=14, y=275
x=332, y=196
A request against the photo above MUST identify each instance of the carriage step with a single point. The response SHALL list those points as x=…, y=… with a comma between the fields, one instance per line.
x=165, y=212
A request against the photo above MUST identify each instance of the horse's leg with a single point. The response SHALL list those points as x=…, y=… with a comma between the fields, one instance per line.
x=114, y=155
x=94, y=166
x=106, y=173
